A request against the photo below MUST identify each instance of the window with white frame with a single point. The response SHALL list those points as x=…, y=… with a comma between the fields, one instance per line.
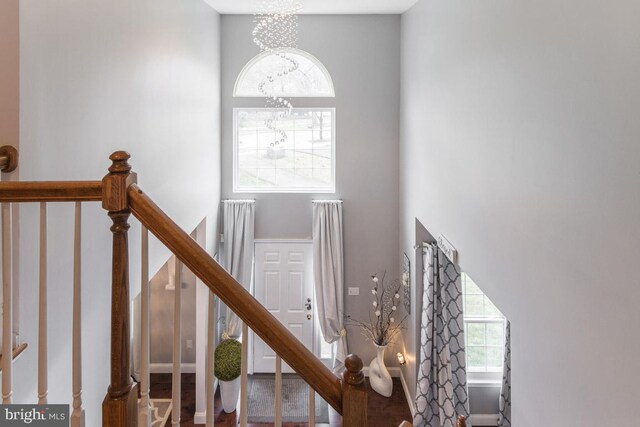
x=304, y=164
x=278, y=150
x=484, y=334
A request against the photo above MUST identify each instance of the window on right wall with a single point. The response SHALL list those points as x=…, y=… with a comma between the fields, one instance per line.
x=484, y=334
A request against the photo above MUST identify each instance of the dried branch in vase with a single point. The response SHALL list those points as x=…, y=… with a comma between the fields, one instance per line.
x=383, y=325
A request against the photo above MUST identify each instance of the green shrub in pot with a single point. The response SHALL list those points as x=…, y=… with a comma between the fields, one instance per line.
x=227, y=368
x=228, y=359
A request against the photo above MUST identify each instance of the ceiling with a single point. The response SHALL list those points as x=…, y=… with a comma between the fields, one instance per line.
x=317, y=7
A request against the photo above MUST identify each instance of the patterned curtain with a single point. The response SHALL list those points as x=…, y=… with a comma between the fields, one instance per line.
x=441, y=394
x=505, y=392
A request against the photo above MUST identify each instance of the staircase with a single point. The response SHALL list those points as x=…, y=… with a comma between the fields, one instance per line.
x=121, y=197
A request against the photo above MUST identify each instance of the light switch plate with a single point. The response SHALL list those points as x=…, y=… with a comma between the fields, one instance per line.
x=354, y=291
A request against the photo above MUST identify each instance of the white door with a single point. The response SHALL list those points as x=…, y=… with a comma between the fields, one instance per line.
x=284, y=285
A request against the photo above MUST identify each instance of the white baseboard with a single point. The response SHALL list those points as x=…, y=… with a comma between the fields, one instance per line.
x=167, y=368
x=484, y=419
x=201, y=417
x=407, y=394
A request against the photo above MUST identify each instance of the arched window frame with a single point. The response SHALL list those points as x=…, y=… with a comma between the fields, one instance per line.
x=256, y=59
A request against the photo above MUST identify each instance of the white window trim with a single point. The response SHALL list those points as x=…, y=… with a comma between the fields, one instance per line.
x=310, y=57
x=301, y=190
x=484, y=376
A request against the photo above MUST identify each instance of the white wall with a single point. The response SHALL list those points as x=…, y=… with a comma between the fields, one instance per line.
x=362, y=56
x=96, y=76
x=519, y=141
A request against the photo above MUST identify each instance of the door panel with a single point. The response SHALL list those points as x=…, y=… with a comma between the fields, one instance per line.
x=284, y=285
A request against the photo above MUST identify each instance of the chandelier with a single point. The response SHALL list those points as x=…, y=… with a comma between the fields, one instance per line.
x=276, y=33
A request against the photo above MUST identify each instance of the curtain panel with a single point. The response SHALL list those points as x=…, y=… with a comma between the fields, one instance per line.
x=505, y=393
x=328, y=273
x=238, y=252
x=441, y=394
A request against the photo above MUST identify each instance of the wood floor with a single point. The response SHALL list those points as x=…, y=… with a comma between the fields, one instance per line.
x=382, y=411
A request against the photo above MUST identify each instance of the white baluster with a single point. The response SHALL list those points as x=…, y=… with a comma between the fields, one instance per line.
x=212, y=326
x=144, y=414
x=43, y=387
x=278, y=399
x=312, y=407
x=7, y=316
x=177, y=347
x=244, y=416
x=77, y=415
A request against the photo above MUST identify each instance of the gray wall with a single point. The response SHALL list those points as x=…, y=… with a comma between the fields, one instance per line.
x=162, y=315
x=519, y=142
x=362, y=56
x=96, y=76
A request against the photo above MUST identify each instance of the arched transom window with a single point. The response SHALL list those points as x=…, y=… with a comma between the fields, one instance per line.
x=311, y=79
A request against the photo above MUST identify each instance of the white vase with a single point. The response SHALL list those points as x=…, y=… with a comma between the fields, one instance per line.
x=379, y=376
x=229, y=392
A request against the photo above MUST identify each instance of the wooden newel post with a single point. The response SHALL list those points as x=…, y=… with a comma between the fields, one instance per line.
x=120, y=405
x=354, y=394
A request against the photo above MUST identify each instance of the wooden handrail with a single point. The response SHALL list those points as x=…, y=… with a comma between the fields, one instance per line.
x=256, y=316
x=50, y=191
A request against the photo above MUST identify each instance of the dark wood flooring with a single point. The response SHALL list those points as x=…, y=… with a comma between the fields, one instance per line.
x=382, y=411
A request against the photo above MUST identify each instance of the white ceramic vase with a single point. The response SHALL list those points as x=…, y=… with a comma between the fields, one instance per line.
x=229, y=392
x=379, y=376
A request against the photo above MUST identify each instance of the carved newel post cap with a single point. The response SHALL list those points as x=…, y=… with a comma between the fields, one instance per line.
x=11, y=153
x=119, y=162
x=353, y=373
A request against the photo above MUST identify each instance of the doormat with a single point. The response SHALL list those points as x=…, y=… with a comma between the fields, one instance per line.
x=295, y=400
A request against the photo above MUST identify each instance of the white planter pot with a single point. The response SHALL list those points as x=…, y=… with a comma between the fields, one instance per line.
x=379, y=376
x=229, y=392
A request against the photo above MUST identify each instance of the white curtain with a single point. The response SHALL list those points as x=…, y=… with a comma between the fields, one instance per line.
x=238, y=250
x=441, y=394
x=328, y=273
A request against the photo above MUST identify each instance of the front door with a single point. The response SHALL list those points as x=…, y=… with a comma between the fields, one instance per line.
x=284, y=285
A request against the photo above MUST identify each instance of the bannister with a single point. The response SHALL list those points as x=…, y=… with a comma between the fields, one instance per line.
x=258, y=318
x=120, y=196
x=50, y=191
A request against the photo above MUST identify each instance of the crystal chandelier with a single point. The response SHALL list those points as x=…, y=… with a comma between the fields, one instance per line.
x=276, y=32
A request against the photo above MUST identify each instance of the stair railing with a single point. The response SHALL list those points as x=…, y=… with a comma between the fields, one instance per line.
x=121, y=197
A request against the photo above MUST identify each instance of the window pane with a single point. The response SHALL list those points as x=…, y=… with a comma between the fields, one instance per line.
x=495, y=357
x=483, y=335
x=495, y=332
x=301, y=162
x=475, y=333
x=476, y=357
x=490, y=309
x=474, y=305
x=472, y=288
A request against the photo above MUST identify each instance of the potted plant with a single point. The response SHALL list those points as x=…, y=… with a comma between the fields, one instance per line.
x=228, y=357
